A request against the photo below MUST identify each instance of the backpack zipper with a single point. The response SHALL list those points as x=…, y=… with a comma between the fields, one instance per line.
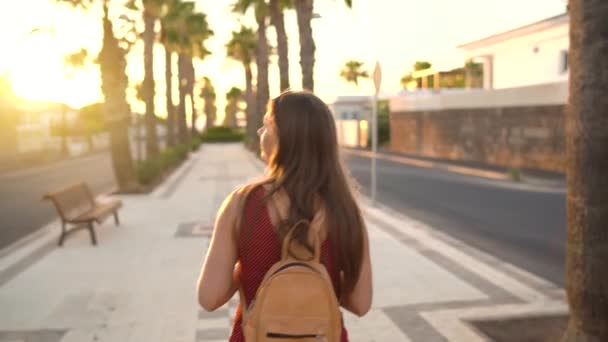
x=289, y=336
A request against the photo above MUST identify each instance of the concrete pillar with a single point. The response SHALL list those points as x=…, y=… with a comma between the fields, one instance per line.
x=488, y=72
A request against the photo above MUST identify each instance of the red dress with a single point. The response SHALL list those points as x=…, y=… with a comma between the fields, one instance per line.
x=259, y=248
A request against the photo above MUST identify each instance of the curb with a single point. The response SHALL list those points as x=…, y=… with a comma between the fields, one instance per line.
x=464, y=170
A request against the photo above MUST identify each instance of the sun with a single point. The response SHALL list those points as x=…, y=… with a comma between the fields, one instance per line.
x=38, y=73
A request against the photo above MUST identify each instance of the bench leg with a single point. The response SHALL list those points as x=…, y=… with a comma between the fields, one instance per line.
x=62, y=237
x=92, y=232
x=116, y=220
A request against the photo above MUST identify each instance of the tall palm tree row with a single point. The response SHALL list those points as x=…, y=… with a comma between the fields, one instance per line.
x=183, y=31
x=242, y=48
x=352, y=71
x=260, y=8
x=114, y=83
x=304, y=13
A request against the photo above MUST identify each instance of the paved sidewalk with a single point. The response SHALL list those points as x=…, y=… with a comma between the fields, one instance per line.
x=138, y=284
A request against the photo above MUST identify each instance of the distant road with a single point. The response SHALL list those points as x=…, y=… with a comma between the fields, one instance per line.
x=526, y=228
x=21, y=208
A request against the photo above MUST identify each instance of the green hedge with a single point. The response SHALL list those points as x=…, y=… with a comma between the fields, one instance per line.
x=222, y=134
x=150, y=169
x=195, y=143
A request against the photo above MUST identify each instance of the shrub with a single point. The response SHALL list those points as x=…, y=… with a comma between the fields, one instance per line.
x=169, y=158
x=195, y=143
x=148, y=170
x=222, y=134
x=515, y=174
x=182, y=151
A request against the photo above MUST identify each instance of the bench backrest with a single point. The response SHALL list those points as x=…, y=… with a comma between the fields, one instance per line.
x=72, y=201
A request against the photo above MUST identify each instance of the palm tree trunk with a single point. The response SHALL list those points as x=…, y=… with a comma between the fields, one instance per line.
x=587, y=167
x=182, y=125
x=209, y=117
x=304, y=11
x=64, y=131
x=251, y=107
x=148, y=86
x=193, y=117
x=114, y=84
x=262, y=78
x=169, y=96
x=278, y=22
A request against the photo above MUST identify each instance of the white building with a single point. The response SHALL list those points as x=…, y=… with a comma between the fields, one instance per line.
x=352, y=114
x=529, y=55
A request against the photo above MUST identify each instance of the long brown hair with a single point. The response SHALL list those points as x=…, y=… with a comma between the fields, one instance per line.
x=306, y=165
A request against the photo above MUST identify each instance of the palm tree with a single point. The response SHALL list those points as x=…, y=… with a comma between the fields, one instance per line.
x=277, y=20
x=169, y=37
x=351, y=72
x=152, y=11
x=190, y=31
x=304, y=12
x=233, y=98
x=208, y=95
x=242, y=47
x=114, y=82
x=587, y=167
x=262, y=59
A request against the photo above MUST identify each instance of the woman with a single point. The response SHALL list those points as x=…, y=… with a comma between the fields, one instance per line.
x=304, y=181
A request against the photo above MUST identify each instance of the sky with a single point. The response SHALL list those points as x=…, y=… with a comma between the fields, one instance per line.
x=394, y=32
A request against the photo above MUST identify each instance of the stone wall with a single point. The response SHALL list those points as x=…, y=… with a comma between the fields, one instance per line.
x=525, y=136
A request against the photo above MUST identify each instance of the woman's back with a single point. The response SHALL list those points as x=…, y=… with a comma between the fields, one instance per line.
x=259, y=247
x=299, y=144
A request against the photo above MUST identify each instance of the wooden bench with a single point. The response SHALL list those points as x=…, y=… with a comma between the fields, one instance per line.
x=76, y=205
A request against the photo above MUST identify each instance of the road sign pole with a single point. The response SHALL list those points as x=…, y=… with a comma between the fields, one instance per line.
x=377, y=81
x=374, y=146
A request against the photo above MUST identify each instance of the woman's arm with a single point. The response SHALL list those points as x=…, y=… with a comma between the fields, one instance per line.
x=219, y=277
x=359, y=301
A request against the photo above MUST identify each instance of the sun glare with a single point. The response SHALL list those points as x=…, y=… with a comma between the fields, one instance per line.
x=38, y=73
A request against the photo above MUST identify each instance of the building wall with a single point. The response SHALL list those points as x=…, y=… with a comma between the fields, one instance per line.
x=526, y=60
x=531, y=137
x=519, y=127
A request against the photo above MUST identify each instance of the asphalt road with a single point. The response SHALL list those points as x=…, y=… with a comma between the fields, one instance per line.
x=522, y=226
x=21, y=209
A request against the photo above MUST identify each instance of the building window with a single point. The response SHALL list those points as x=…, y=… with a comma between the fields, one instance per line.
x=344, y=115
x=563, y=61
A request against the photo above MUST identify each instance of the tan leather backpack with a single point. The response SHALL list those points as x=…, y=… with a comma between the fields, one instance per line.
x=295, y=302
